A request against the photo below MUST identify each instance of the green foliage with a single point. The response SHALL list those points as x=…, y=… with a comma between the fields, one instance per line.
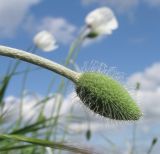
x=45, y=143
x=3, y=87
x=88, y=134
x=92, y=35
x=138, y=86
x=153, y=143
x=106, y=97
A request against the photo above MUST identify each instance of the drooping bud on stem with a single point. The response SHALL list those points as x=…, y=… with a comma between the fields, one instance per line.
x=100, y=93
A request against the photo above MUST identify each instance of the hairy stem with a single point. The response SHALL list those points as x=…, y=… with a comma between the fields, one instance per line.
x=37, y=60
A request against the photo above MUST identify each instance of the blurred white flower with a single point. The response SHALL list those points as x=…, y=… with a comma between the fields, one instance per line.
x=101, y=21
x=45, y=41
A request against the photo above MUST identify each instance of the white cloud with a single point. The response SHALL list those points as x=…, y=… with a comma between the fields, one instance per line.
x=150, y=104
x=70, y=105
x=12, y=13
x=153, y=3
x=63, y=31
x=30, y=109
x=60, y=27
x=149, y=93
x=149, y=78
x=122, y=5
x=13, y=105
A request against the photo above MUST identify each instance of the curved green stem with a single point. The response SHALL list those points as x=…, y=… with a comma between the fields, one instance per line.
x=37, y=60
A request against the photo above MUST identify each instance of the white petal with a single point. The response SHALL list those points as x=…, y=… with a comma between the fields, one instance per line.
x=50, y=48
x=101, y=21
x=45, y=41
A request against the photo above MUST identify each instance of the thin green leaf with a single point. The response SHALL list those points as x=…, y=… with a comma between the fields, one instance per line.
x=45, y=143
x=154, y=141
x=31, y=127
x=15, y=147
x=3, y=87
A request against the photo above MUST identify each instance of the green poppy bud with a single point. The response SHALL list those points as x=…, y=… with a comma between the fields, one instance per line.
x=106, y=97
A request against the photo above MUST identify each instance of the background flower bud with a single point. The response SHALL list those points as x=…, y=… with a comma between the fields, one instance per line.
x=45, y=41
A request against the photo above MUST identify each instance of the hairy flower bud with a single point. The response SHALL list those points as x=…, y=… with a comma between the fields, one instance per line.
x=106, y=97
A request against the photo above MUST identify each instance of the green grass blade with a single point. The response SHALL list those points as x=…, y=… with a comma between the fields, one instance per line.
x=45, y=143
x=19, y=147
x=3, y=87
x=31, y=127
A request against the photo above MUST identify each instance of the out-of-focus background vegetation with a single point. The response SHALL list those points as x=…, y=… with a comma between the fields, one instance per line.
x=37, y=103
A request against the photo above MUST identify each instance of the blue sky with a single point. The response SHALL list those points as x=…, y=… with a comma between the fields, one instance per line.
x=133, y=48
